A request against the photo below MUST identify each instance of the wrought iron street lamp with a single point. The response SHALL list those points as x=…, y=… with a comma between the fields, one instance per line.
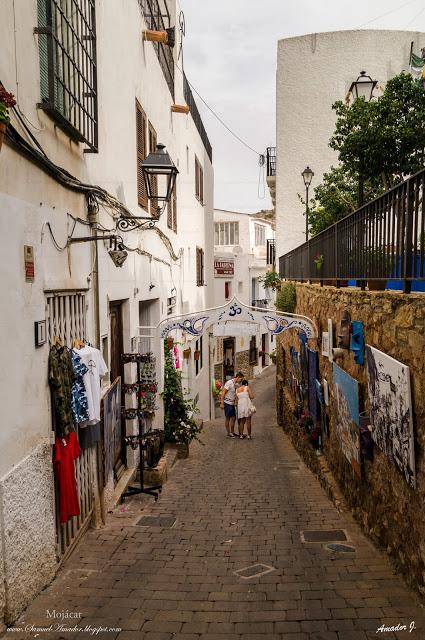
x=307, y=175
x=159, y=175
x=363, y=87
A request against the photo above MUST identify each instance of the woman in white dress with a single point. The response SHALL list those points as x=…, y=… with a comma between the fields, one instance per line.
x=244, y=396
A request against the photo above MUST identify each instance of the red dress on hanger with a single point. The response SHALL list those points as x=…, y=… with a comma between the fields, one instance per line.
x=67, y=449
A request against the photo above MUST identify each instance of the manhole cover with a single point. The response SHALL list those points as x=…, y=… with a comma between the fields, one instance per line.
x=156, y=521
x=331, y=535
x=254, y=571
x=340, y=548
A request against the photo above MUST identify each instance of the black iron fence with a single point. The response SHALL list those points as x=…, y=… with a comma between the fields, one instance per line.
x=383, y=240
x=271, y=252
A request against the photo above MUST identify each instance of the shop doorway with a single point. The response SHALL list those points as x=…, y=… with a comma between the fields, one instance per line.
x=228, y=358
x=263, y=350
x=117, y=370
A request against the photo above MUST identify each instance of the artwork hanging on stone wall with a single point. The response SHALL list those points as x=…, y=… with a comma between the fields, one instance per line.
x=347, y=416
x=313, y=374
x=390, y=400
x=325, y=344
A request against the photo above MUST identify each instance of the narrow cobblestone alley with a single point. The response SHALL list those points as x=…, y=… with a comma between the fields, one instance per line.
x=235, y=503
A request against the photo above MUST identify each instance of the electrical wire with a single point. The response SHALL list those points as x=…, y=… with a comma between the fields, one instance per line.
x=387, y=13
x=415, y=18
x=235, y=135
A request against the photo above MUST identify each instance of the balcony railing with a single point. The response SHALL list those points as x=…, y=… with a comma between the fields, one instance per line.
x=383, y=240
x=190, y=101
x=157, y=18
x=271, y=161
x=261, y=304
x=271, y=252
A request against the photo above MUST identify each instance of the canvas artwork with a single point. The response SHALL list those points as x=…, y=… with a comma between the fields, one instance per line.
x=325, y=344
x=313, y=373
x=391, y=410
x=111, y=415
x=347, y=417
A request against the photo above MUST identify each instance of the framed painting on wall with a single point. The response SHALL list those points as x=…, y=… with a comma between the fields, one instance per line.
x=325, y=344
x=347, y=416
x=390, y=401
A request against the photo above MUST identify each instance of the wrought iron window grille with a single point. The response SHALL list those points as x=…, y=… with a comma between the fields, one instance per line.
x=68, y=71
x=157, y=18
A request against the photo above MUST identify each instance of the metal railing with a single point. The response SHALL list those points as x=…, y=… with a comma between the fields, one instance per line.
x=261, y=304
x=68, y=71
x=271, y=252
x=383, y=240
x=190, y=101
x=157, y=18
x=271, y=161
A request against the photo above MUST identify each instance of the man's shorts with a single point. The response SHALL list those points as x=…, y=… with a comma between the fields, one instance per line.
x=229, y=410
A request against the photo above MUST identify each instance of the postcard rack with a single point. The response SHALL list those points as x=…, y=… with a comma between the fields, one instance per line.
x=145, y=387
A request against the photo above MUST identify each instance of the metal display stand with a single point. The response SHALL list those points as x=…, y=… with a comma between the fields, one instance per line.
x=146, y=388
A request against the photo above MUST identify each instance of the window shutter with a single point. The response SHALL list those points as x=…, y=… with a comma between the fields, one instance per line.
x=174, y=201
x=142, y=195
x=155, y=209
x=196, y=177
x=201, y=184
x=197, y=266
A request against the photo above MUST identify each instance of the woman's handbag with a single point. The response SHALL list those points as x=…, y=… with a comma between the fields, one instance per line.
x=252, y=410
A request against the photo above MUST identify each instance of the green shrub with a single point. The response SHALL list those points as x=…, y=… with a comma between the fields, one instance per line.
x=286, y=299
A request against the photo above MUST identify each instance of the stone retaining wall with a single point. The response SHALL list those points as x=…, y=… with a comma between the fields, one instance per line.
x=390, y=511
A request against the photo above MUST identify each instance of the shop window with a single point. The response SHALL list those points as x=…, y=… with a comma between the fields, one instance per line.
x=253, y=351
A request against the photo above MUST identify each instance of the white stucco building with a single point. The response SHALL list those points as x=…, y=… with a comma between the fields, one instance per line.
x=114, y=100
x=313, y=71
x=243, y=251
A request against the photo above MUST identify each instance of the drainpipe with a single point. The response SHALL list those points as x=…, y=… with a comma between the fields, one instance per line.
x=93, y=218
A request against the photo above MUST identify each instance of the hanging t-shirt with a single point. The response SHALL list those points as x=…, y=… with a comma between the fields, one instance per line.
x=79, y=401
x=61, y=379
x=66, y=451
x=97, y=368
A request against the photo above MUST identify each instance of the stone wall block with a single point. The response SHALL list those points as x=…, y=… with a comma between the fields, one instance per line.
x=390, y=511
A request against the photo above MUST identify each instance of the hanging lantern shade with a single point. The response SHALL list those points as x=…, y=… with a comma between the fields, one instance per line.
x=363, y=87
x=307, y=175
x=155, y=36
x=159, y=173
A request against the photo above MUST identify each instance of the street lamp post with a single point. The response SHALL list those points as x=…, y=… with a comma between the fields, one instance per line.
x=307, y=175
x=362, y=88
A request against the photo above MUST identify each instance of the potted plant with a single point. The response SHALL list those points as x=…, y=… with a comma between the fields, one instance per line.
x=197, y=354
x=7, y=101
x=170, y=343
x=186, y=353
x=319, y=259
x=272, y=356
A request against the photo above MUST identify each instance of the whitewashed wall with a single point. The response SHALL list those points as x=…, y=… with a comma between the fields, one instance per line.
x=249, y=262
x=313, y=71
x=128, y=68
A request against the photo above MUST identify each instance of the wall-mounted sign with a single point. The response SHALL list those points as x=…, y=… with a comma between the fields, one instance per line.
x=223, y=268
x=40, y=333
x=29, y=263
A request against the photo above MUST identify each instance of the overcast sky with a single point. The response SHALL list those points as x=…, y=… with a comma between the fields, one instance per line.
x=230, y=58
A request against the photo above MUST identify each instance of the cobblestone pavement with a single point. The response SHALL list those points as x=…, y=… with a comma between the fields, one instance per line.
x=236, y=503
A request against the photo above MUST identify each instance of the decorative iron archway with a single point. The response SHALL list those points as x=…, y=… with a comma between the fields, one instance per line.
x=195, y=325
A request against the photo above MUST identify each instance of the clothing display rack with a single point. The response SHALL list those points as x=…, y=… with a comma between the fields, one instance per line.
x=146, y=388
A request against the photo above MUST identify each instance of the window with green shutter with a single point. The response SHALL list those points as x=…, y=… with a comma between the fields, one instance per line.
x=68, y=79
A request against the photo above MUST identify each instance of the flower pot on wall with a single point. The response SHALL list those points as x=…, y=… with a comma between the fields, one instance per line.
x=170, y=342
x=186, y=353
x=196, y=355
x=183, y=450
x=3, y=127
x=376, y=285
